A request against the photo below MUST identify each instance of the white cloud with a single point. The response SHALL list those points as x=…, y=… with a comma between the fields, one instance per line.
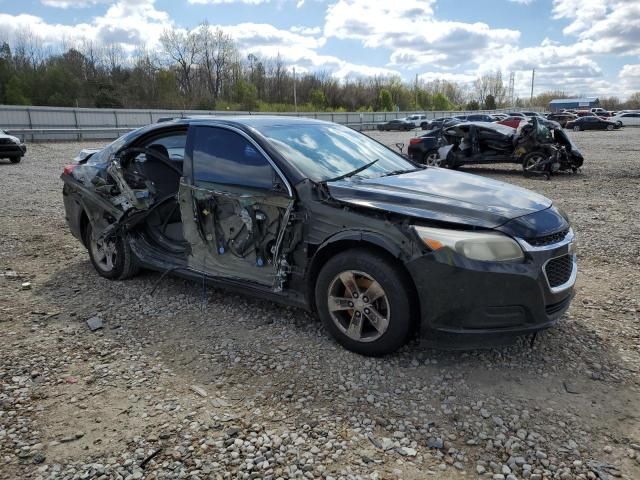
x=523, y=2
x=297, y=47
x=412, y=34
x=306, y=30
x=130, y=23
x=213, y=2
x=73, y=3
x=629, y=77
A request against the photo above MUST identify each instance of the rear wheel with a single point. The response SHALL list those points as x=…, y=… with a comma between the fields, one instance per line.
x=577, y=128
x=15, y=159
x=609, y=127
x=362, y=300
x=432, y=159
x=112, y=258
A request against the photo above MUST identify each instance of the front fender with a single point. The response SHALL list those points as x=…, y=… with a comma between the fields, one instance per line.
x=364, y=236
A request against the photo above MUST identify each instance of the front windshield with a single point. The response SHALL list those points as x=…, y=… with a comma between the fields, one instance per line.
x=322, y=152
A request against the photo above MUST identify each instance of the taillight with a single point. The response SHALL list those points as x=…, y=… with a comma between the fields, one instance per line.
x=69, y=168
x=415, y=140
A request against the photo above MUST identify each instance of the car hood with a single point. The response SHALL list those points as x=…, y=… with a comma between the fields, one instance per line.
x=10, y=137
x=442, y=195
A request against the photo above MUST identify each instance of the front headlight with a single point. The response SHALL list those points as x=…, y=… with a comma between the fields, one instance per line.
x=484, y=246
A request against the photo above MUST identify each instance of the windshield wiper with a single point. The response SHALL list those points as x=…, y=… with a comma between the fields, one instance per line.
x=352, y=173
x=398, y=172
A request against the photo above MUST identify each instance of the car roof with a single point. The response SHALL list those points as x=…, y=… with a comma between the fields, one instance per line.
x=254, y=120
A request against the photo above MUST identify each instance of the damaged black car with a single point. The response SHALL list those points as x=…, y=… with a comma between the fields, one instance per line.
x=540, y=146
x=320, y=216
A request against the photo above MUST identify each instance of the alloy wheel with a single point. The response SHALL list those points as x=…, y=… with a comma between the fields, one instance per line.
x=533, y=162
x=433, y=160
x=358, y=306
x=104, y=252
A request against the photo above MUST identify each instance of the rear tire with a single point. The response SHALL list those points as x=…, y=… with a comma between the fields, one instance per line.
x=610, y=127
x=432, y=159
x=112, y=258
x=363, y=301
x=15, y=159
x=577, y=128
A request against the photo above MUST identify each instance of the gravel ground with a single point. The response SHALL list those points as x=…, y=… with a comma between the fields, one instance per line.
x=206, y=384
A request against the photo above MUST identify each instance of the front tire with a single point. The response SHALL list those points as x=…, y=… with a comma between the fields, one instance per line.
x=15, y=159
x=610, y=127
x=577, y=128
x=112, y=258
x=533, y=163
x=363, y=301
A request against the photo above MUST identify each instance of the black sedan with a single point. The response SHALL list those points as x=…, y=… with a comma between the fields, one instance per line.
x=317, y=215
x=11, y=147
x=591, y=123
x=399, y=124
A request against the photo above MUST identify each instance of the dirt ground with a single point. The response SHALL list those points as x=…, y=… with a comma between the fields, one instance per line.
x=201, y=383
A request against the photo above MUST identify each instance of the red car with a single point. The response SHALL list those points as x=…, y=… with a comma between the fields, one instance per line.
x=512, y=122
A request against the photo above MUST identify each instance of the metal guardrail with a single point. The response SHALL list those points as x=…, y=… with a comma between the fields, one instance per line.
x=79, y=132
x=33, y=124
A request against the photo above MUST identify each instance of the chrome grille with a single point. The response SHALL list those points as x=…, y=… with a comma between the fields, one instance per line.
x=548, y=239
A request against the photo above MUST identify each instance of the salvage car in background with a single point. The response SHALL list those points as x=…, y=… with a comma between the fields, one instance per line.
x=540, y=146
x=561, y=117
x=591, y=123
x=320, y=216
x=626, y=119
x=11, y=147
x=398, y=124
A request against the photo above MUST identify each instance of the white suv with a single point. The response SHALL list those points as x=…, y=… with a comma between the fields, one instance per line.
x=416, y=119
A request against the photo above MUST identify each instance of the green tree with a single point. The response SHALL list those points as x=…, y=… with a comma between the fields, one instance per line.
x=472, y=105
x=490, y=102
x=318, y=99
x=386, y=103
x=245, y=94
x=441, y=102
x=13, y=93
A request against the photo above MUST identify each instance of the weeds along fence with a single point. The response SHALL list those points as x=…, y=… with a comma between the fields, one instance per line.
x=41, y=124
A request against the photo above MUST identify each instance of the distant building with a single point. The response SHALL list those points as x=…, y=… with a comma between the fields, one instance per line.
x=576, y=103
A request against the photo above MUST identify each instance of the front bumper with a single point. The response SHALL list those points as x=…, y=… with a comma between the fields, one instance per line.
x=12, y=149
x=462, y=297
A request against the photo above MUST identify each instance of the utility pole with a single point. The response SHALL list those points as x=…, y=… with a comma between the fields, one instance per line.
x=512, y=85
x=533, y=78
x=295, y=97
x=416, y=92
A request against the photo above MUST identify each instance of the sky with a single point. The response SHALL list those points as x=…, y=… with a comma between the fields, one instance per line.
x=582, y=47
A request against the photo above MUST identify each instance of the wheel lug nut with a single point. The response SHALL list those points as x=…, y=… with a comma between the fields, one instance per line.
x=357, y=314
x=365, y=299
x=351, y=304
x=355, y=295
x=366, y=310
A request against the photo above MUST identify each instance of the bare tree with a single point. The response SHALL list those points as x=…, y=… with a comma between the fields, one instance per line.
x=490, y=84
x=183, y=49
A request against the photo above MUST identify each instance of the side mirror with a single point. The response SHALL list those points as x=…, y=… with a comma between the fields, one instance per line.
x=400, y=146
